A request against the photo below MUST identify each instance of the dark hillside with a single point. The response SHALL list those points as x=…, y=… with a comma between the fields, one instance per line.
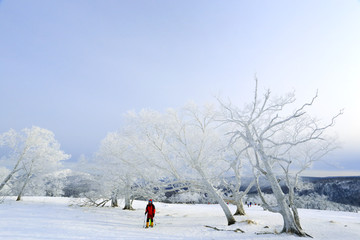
x=344, y=190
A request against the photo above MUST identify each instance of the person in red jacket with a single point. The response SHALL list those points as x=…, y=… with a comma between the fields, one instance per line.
x=150, y=211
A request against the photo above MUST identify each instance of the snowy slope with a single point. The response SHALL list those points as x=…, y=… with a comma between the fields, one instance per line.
x=37, y=218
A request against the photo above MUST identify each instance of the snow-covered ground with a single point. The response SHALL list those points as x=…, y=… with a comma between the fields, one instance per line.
x=60, y=218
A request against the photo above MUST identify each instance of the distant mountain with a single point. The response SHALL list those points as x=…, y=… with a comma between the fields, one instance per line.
x=344, y=190
x=325, y=193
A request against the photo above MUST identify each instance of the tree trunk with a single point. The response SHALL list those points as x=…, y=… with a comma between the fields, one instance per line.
x=23, y=188
x=238, y=196
x=238, y=199
x=293, y=207
x=15, y=169
x=114, y=201
x=2, y=185
x=127, y=199
x=240, y=208
x=296, y=216
x=27, y=179
x=290, y=225
x=128, y=204
x=230, y=218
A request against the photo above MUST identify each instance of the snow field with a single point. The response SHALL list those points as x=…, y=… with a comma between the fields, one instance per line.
x=37, y=218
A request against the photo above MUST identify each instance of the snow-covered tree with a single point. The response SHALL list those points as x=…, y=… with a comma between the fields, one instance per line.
x=238, y=168
x=10, y=143
x=55, y=182
x=120, y=166
x=34, y=153
x=198, y=141
x=186, y=148
x=279, y=143
x=4, y=172
x=162, y=171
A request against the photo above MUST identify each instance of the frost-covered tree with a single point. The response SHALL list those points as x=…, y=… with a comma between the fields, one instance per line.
x=238, y=168
x=120, y=166
x=186, y=148
x=13, y=153
x=34, y=152
x=6, y=189
x=55, y=182
x=198, y=141
x=278, y=142
x=153, y=131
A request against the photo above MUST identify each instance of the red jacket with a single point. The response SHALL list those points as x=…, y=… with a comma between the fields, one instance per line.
x=150, y=210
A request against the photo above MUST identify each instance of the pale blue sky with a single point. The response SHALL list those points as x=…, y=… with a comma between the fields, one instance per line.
x=75, y=67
